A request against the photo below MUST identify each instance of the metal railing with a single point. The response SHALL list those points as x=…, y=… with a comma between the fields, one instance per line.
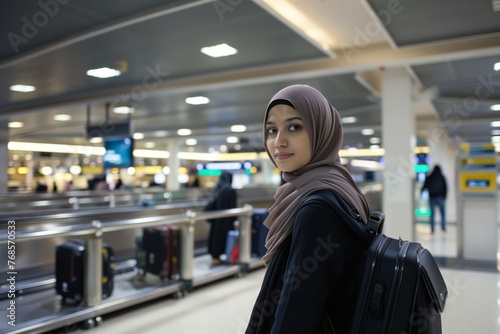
x=94, y=230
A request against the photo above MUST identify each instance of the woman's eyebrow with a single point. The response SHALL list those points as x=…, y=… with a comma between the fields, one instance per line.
x=291, y=119
x=286, y=120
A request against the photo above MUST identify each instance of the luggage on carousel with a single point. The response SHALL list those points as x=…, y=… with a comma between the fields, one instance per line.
x=232, y=247
x=70, y=259
x=160, y=251
x=259, y=231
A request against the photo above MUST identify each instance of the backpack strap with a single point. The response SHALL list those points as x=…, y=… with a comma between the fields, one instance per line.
x=344, y=211
x=375, y=224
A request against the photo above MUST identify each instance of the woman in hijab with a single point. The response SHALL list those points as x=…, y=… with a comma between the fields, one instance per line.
x=312, y=256
x=223, y=197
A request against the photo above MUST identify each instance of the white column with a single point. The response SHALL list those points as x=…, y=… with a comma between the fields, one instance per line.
x=174, y=164
x=4, y=156
x=398, y=139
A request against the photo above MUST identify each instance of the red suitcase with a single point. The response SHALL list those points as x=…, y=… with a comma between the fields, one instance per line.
x=160, y=251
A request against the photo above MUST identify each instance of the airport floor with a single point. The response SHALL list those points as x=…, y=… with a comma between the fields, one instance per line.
x=223, y=307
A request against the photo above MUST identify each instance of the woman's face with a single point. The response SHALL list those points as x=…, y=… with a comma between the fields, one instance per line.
x=287, y=139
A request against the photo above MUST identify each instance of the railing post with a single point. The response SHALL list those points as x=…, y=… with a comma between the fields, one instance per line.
x=187, y=249
x=74, y=202
x=245, y=239
x=92, y=290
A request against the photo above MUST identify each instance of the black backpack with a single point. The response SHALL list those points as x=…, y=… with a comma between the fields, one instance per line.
x=401, y=289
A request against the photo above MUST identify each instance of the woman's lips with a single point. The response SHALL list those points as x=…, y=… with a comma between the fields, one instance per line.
x=283, y=156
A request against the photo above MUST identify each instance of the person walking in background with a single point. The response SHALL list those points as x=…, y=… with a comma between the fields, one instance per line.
x=312, y=256
x=436, y=185
x=223, y=197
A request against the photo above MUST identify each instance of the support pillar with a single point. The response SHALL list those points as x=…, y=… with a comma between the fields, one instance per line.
x=398, y=139
x=4, y=156
x=174, y=164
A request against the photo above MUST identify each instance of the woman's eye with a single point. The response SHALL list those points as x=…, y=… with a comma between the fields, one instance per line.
x=271, y=130
x=295, y=127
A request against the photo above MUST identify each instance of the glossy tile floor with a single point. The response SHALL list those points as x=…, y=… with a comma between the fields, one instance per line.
x=223, y=307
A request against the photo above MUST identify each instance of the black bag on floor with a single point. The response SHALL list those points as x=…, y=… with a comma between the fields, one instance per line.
x=400, y=289
x=70, y=257
x=160, y=251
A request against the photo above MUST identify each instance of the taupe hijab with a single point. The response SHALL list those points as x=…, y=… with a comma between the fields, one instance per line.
x=324, y=171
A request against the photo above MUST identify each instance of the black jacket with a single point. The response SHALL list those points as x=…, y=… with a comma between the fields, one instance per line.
x=314, y=271
x=435, y=183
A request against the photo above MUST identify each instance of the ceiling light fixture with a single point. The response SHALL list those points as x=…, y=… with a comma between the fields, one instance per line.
x=496, y=67
x=22, y=88
x=62, y=118
x=103, y=72
x=184, y=132
x=367, y=132
x=123, y=110
x=197, y=100
x=238, y=128
x=349, y=120
x=220, y=50
x=495, y=124
x=191, y=142
x=138, y=135
x=232, y=140
x=495, y=107
x=16, y=125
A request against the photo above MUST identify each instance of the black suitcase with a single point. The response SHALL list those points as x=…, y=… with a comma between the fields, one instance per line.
x=160, y=251
x=70, y=258
x=69, y=271
x=401, y=289
x=259, y=231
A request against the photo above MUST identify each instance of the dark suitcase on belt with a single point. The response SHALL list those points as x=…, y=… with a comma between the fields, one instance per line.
x=70, y=258
x=69, y=271
x=259, y=231
x=232, y=247
x=160, y=247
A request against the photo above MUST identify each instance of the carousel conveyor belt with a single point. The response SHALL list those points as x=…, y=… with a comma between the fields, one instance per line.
x=43, y=310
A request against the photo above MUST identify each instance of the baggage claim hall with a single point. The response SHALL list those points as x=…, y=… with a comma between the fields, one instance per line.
x=121, y=116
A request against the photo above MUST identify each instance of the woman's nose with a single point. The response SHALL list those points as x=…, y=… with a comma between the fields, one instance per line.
x=281, y=140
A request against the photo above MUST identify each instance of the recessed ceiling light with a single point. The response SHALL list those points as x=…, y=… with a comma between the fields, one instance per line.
x=197, y=100
x=22, y=88
x=191, y=142
x=103, y=72
x=495, y=132
x=367, y=132
x=495, y=139
x=96, y=140
x=123, y=110
x=349, y=120
x=16, y=125
x=238, y=128
x=62, y=117
x=496, y=66
x=138, y=135
x=495, y=124
x=220, y=50
x=150, y=144
x=232, y=140
x=184, y=132
x=495, y=107
x=374, y=140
